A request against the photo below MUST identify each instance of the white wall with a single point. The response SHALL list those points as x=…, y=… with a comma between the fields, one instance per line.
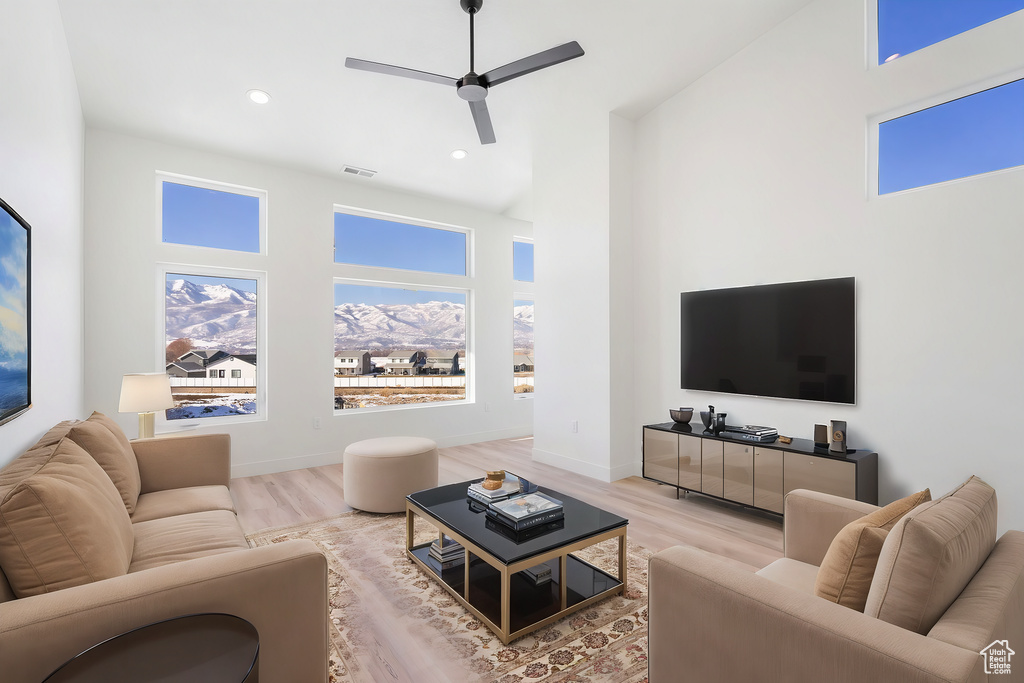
x=758, y=173
x=122, y=288
x=41, y=138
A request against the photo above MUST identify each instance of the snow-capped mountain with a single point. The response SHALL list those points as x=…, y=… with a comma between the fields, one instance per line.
x=212, y=316
x=522, y=326
x=431, y=325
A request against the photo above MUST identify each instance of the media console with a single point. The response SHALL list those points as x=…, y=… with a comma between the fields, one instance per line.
x=757, y=475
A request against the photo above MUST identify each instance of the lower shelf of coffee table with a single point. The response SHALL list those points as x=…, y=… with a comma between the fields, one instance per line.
x=529, y=603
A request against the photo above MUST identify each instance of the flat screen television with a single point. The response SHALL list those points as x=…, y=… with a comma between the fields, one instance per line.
x=790, y=340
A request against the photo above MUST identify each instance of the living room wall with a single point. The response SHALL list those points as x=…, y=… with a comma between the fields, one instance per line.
x=757, y=173
x=41, y=134
x=123, y=332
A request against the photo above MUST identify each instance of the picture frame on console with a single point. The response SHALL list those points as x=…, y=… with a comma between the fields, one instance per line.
x=15, y=314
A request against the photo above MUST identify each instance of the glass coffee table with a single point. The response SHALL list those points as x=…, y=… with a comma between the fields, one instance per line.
x=491, y=584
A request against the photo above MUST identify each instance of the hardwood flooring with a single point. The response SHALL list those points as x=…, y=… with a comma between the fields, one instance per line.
x=657, y=520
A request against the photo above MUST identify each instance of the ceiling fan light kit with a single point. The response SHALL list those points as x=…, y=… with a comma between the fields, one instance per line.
x=473, y=87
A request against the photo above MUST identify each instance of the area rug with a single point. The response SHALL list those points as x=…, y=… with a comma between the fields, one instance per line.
x=375, y=592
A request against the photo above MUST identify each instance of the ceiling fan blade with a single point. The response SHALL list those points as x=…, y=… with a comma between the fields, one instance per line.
x=483, y=121
x=377, y=67
x=541, y=60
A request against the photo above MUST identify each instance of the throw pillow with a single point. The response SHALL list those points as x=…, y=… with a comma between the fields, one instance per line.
x=63, y=526
x=849, y=565
x=121, y=466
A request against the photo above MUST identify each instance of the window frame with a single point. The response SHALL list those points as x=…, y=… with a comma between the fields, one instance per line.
x=874, y=122
x=262, y=404
x=205, y=184
x=408, y=220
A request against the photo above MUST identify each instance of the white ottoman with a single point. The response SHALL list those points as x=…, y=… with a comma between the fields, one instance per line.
x=379, y=473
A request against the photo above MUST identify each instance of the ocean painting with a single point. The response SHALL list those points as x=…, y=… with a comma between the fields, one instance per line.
x=15, y=368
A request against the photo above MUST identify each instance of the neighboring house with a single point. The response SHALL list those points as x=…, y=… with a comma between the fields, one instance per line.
x=404, y=362
x=233, y=367
x=180, y=368
x=522, y=363
x=202, y=356
x=352, y=363
x=441, y=362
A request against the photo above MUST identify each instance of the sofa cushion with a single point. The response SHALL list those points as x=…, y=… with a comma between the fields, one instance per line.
x=159, y=504
x=120, y=465
x=185, y=537
x=849, y=565
x=786, y=571
x=930, y=556
x=64, y=525
x=29, y=462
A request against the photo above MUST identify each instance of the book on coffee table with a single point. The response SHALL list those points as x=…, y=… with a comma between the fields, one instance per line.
x=525, y=511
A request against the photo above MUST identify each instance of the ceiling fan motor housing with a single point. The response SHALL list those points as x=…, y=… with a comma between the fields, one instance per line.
x=471, y=88
x=472, y=6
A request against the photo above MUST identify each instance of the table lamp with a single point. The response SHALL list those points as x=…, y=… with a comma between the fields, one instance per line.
x=144, y=393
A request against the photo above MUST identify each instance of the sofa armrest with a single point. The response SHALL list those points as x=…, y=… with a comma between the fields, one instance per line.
x=279, y=589
x=813, y=519
x=711, y=621
x=174, y=462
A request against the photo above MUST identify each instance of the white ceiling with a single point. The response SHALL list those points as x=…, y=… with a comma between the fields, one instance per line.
x=178, y=71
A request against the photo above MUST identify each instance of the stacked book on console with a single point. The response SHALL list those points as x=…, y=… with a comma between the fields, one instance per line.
x=526, y=511
x=446, y=554
x=751, y=433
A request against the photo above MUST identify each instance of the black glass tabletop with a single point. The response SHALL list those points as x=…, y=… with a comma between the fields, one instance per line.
x=451, y=506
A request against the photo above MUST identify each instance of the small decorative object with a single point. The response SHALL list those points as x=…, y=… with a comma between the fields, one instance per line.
x=719, y=425
x=821, y=439
x=838, y=442
x=526, y=486
x=708, y=417
x=683, y=415
x=493, y=480
x=785, y=439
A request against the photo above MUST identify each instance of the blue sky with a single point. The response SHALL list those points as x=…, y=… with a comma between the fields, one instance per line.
x=210, y=218
x=905, y=26
x=362, y=294
x=241, y=284
x=13, y=292
x=375, y=242
x=522, y=261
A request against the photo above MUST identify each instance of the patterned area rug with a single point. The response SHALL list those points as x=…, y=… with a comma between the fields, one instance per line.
x=378, y=597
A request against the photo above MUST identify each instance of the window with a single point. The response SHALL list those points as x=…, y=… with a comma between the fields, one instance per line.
x=522, y=346
x=211, y=324
x=979, y=133
x=415, y=338
x=905, y=26
x=203, y=213
x=522, y=261
x=369, y=241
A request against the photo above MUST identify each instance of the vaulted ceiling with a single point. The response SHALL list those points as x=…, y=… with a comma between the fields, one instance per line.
x=178, y=71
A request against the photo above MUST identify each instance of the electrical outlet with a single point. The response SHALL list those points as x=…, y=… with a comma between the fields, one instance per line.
x=316, y=423
x=574, y=426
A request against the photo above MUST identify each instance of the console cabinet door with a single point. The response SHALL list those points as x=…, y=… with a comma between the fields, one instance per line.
x=819, y=474
x=738, y=473
x=711, y=467
x=661, y=456
x=768, y=488
x=689, y=462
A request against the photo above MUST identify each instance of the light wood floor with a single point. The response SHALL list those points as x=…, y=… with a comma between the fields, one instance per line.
x=657, y=520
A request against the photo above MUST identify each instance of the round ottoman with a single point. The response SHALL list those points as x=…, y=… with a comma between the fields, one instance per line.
x=379, y=473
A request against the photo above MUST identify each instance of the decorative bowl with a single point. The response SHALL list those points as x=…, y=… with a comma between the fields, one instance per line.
x=682, y=415
x=705, y=417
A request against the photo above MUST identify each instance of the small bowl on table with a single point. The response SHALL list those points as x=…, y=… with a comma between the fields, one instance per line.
x=682, y=416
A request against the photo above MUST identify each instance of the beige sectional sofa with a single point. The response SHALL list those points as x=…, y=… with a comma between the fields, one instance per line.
x=100, y=535
x=943, y=590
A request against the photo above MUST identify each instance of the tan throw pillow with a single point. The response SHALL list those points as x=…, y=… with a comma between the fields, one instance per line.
x=849, y=565
x=63, y=526
x=121, y=467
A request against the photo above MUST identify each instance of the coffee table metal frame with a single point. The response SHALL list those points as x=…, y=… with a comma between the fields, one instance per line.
x=506, y=571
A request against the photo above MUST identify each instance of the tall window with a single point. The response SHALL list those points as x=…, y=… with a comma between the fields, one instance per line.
x=522, y=261
x=212, y=333
x=976, y=134
x=905, y=26
x=398, y=346
x=522, y=346
x=371, y=241
x=203, y=213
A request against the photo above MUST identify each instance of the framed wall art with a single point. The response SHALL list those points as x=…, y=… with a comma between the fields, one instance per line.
x=15, y=319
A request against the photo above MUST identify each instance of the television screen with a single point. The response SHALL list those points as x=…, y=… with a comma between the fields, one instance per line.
x=790, y=340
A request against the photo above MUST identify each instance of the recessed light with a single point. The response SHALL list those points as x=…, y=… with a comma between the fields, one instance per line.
x=258, y=96
x=459, y=154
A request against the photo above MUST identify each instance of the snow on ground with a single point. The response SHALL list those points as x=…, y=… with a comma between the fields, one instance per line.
x=212, y=405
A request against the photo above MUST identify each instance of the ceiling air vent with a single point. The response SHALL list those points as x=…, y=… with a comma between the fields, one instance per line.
x=361, y=172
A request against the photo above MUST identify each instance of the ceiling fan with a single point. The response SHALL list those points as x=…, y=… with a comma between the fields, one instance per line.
x=473, y=87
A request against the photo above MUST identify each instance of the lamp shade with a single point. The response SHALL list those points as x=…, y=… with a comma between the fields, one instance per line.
x=145, y=392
